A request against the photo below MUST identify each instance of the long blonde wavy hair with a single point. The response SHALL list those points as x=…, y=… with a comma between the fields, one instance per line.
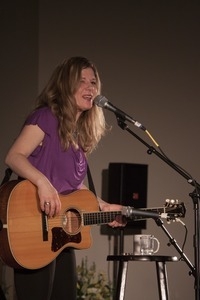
x=58, y=95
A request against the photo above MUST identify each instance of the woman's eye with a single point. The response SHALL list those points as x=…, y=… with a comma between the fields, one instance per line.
x=93, y=82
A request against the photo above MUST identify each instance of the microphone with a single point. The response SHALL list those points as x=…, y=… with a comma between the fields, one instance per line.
x=103, y=102
x=137, y=214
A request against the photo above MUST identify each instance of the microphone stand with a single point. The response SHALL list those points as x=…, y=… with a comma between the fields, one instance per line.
x=173, y=242
x=195, y=195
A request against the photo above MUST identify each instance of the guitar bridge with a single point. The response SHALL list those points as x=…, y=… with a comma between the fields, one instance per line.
x=44, y=227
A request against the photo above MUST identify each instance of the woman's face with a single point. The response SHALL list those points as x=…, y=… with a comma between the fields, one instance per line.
x=87, y=90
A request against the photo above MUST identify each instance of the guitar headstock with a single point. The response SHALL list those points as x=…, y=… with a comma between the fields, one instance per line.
x=174, y=209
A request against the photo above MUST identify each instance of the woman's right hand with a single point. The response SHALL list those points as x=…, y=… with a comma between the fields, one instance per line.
x=49, y=199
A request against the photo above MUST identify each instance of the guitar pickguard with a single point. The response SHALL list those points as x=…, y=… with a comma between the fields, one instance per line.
x=60, y=238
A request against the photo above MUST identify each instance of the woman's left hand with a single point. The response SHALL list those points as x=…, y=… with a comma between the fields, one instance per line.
x=120, y=220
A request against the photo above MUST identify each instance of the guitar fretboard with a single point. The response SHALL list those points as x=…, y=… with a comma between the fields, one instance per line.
x=100, y=217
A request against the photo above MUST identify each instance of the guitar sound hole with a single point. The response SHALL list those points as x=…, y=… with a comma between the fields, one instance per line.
x=72, y=221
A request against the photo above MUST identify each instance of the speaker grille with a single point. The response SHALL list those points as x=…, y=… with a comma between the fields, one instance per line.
x=127, y=185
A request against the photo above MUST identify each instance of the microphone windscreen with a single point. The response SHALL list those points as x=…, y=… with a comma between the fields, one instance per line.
x=100, y=101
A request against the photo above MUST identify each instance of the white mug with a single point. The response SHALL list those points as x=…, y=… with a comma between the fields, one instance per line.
x=145, y=244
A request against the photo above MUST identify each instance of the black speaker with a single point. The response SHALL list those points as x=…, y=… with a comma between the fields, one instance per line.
x=127, y=185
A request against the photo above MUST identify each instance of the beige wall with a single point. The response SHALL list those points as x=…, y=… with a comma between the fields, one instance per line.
x=148, y=58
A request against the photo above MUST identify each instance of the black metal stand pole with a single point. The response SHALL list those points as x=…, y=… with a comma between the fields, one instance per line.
x=172, y=241
x=195, y=197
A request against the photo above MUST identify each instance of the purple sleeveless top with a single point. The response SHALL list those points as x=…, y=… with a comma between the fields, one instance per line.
x=66, y=170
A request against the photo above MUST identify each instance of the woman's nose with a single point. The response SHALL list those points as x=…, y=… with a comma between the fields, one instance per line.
x=90, y=86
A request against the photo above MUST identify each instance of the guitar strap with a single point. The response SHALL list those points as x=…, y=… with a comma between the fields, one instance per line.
x=8, y=173
x=90, y=181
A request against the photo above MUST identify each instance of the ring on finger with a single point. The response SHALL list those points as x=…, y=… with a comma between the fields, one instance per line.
x=47, y=203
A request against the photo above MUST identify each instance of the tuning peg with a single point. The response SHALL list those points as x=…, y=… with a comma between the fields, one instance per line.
x=171, y=202
x=167, y=202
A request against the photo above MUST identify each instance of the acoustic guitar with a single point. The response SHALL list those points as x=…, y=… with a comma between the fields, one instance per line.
x=29, y=239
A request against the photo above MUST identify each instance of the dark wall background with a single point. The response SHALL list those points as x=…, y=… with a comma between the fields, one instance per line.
x=147, y=53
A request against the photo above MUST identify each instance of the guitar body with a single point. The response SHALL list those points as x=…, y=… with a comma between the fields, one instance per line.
x=28, y=239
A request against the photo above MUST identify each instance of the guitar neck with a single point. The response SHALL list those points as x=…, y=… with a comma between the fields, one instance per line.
x=105, y=217
x=101, y=217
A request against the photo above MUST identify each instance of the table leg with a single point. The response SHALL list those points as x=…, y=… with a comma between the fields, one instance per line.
x=121, y=280
x=162, y=280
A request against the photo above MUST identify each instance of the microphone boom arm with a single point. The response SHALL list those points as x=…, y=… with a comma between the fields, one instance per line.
x=151, y=150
